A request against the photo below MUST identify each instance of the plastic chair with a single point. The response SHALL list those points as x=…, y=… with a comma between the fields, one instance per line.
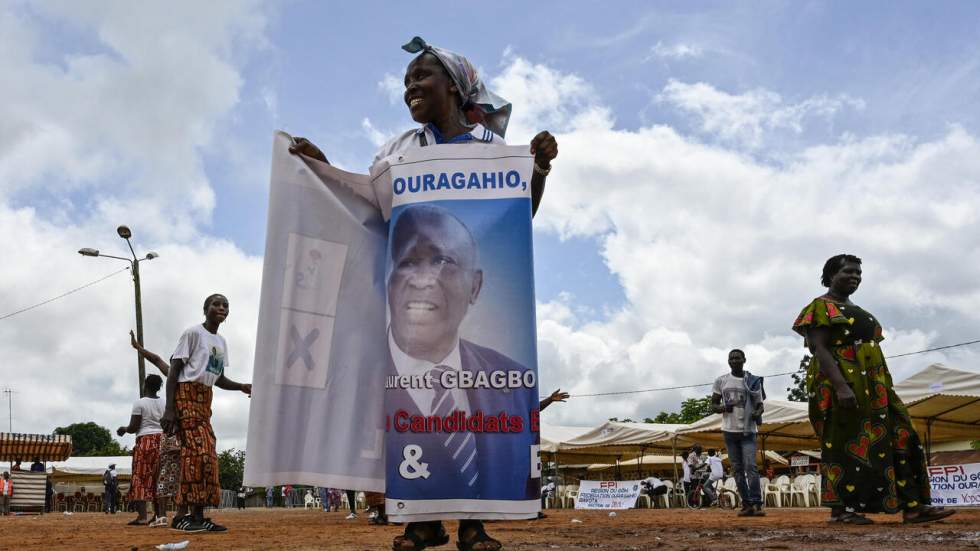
x=78, y=502
x=731, y=491
x=770, y=489
x=569, y=497
x=666, y=497
x=783, y=482
x=642, y=502
x=309, y=501
x=60, y=502
x=799, y=491
x=678, y=495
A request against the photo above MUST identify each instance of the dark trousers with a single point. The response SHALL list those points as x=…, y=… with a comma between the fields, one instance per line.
x=109, y=504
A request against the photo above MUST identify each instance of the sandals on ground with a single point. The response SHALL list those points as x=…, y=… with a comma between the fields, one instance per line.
x=137, y=522
x=927, y=514
x=847, y=517
x=480, y=541
x=411, y=536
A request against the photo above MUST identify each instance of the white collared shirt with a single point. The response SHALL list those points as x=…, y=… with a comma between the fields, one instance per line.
x=407, y=365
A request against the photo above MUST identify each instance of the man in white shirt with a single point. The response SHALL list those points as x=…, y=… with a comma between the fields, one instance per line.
x=653, y=486
x=738, y=396
x=196, y=365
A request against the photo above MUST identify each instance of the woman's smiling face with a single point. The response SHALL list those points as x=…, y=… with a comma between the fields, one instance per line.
x=429, y=92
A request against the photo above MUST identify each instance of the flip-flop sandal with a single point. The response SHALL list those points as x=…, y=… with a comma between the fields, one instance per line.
x=481, y=536
x=854, y=518
x=439, y=538
x=929, y=514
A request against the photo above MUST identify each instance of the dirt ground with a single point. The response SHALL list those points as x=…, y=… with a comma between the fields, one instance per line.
x=295, y=529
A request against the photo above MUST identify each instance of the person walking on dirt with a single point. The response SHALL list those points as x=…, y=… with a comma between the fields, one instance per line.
x=738, y=397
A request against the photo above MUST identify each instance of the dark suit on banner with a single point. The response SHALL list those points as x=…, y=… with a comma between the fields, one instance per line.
x=503, y=458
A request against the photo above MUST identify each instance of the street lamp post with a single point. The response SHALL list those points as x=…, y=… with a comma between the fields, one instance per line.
x=134, y=264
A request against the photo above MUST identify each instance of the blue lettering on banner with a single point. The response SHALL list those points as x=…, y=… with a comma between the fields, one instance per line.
x=443, y=181
x=459, y=180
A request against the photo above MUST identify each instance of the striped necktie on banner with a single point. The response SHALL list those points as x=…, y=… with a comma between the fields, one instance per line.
x=462, y=445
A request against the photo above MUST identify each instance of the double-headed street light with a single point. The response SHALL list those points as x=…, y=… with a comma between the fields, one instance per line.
x=134, y=264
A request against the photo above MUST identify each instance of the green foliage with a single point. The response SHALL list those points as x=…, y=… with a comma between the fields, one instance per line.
x=975, y=444
x=90, y=439
x=692, y=409
x=797, y=392
x=231, y=468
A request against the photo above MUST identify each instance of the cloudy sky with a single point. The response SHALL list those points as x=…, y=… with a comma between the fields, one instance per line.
x=712, y=156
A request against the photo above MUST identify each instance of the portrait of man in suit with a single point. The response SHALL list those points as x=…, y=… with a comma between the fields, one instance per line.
x=435, y=279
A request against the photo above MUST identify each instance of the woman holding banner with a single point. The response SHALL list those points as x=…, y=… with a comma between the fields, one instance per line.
x=444, y=94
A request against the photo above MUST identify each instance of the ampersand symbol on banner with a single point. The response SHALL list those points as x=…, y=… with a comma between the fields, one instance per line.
x=411, y=468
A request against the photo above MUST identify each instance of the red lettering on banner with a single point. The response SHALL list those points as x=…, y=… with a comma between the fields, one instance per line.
x=535, y=420
x=457, y=421
x=401, y=420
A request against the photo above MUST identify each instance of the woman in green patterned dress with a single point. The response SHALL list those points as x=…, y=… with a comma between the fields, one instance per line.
x=872, y=460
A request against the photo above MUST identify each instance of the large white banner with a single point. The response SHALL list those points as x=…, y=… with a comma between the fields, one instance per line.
x=955, y=485
x=607, y=494
x=316, y=412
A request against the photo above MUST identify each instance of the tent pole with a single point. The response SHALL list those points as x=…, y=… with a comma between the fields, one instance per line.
x=929, y=439
x=673, y=455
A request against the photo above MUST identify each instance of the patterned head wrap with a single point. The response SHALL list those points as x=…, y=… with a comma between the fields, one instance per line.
x=479, y=104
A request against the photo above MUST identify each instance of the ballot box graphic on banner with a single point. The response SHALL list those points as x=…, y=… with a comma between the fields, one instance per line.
x=461, y=397
x=316, y=408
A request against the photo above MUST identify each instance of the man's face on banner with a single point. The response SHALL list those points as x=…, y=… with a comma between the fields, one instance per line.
x=432, y=284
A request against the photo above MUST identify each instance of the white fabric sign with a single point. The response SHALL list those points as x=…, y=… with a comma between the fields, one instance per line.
x=955, y=485
x=607, y=494
x=316, y=412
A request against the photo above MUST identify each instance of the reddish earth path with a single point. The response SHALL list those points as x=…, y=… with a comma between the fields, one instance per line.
x=294, y=529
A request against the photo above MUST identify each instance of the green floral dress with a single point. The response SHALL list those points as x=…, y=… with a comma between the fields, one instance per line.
x=872, y=460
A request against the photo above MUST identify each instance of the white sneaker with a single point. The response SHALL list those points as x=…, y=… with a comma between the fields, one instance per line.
x=351, y=516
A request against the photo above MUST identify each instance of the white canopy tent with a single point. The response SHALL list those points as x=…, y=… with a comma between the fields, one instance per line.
x=785, y=426
x=944, y=404
x=653, y=461
x=553, y=436
x=89, y=469
x=623, y=440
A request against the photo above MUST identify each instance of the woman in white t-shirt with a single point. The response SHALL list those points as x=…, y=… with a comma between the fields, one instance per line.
x=444, y=93
x=145, y=423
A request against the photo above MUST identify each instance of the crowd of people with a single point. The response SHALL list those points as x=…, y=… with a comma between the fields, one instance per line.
x=871, y=456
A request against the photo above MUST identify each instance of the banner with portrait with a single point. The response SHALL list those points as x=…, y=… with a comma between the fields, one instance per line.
x=316, y=413
x=461, y=397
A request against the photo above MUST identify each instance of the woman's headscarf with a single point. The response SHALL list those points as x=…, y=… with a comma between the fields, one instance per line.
x=479, y=104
